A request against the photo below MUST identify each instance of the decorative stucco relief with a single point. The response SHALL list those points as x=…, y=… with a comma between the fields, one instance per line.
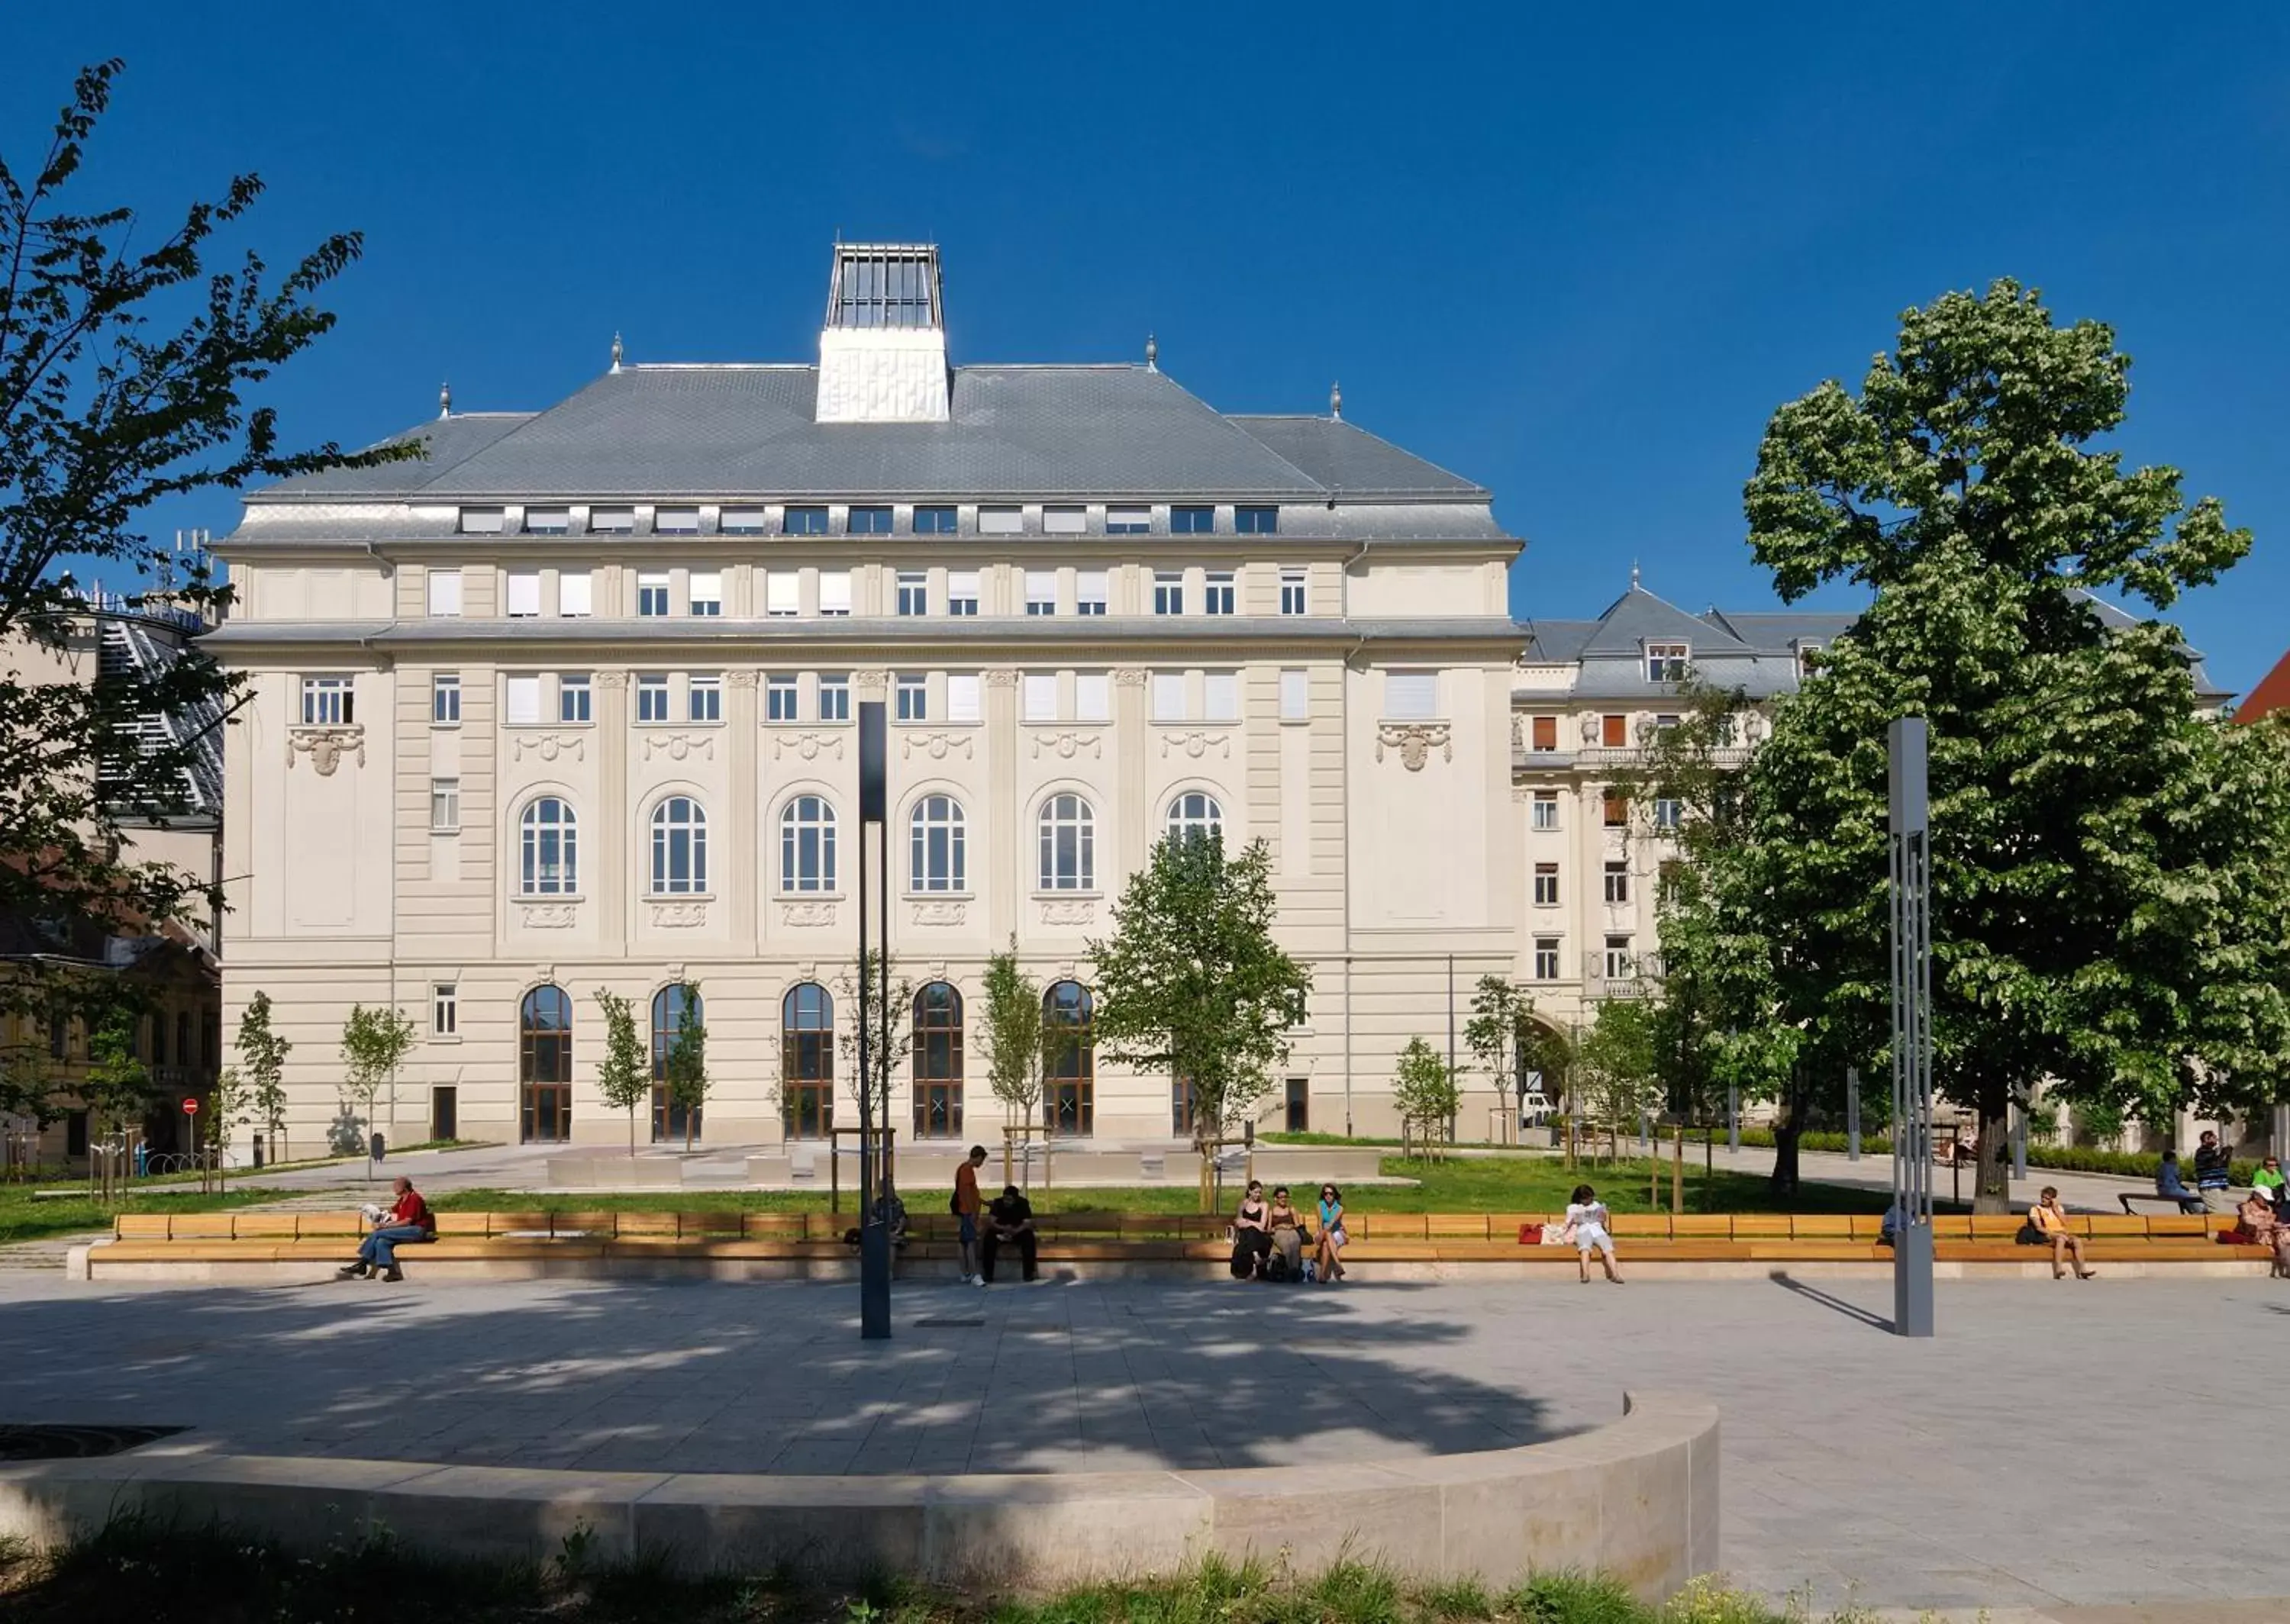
x=801, y=916
x=552, y=747
x=809, y=746
x=939, y=911
x=680, y=914
x=1196, y=743
x=326, y=746
x=680, y=746
x=938, y=746
x=1414, y=741
x=1066, y=746
x=548, y=916
x=1069, y=910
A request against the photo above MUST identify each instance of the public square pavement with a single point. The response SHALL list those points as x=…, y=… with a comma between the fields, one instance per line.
x=2138, y=1414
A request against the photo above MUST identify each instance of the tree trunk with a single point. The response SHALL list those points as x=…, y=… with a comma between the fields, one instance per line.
x=632, y=1133
x=1787, y=1127
x=1992, y=1182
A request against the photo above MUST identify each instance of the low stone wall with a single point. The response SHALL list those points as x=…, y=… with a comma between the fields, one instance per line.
x=596, y=1172
x=1638, y=1499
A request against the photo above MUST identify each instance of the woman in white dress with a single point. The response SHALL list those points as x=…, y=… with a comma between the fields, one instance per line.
x=1586, y=1221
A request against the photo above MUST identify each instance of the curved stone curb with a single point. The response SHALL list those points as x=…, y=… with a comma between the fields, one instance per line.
x=1638, y=1499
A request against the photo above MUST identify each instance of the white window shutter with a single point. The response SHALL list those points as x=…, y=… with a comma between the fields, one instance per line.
x=523, y=700
x=962, y=698
x=1411, y=696
x=573, y=594
x=707, y=586
x=445, y=592
x=1295, y=696
x=782, y=590
x=962, y=583
x=1041, y=696
x=1169, y=696
x=1092, y=697
x=1091, y=586
x=834, y=592
x=1220, y=695
x=524, y=592
x=1041, y=586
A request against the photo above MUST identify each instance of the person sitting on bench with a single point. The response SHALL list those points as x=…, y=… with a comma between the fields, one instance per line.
x=1252, y=1235
x=1287, y=1237
x=2048, y=1226
x=2258, y=1224
x=1009, y=1222
x=409, y=1221
x=2169, y=1186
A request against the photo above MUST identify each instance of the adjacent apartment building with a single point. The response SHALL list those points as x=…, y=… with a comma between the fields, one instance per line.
x=567, y=706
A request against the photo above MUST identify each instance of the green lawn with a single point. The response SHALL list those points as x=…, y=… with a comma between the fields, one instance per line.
x=23, y=1219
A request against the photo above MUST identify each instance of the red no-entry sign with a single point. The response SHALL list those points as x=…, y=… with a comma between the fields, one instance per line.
x=191, y=1107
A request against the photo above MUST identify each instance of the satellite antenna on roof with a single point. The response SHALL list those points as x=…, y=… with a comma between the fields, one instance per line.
x=616, y=352
x=444, y=400
x=1336, y=402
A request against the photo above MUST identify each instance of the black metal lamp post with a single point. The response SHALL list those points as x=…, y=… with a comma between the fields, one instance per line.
x=874, y=1216
x=1912, y=1096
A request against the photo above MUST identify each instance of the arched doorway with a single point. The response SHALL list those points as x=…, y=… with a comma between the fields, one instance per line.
x=938, y=1062
x=1069, y=1079
x=670, y=1012
x=544, y=1065
x=807, y=1062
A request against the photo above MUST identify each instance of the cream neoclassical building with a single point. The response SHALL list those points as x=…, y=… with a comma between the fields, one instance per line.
x=567, y=706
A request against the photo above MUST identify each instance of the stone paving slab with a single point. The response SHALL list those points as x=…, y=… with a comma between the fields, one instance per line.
x=1871, y=1469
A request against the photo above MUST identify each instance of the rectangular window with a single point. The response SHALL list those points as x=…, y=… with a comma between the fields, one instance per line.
x=835, y=697
x=1293, y=598
x=835, y=593
x=1001, y=521
x=1092, y=697
x=1192, y=521
x=572, y=699
x=547, y=521
x=1664, y=721
x=779, y=698
x=1256, y=521
x=444, y=1010
x=1221, y=696
x=708, y=592
x=936, y=521
x=676, y=521
x=1041, y=694
x=1545, y=958
x=1128, y=521
x=1220, y=594
x=914, y=592
x=1168, y=592
x=612, y=521
x=1064, y=521
x=914, y=697
x=482, y=521
x=1615, y=811
x=523, y=594
x=705, y=699
x=1665, y=662
x=962, y=592
x=652, y=593
x=744, y=521
x=1295, y=696
x=1668, y=813
x=1545, y=809
x=1618, y=883
x=1090, y=591
x=804, y=522
x=328, y=701
x=444, y=805
x=1613, y=732
x=782, y=594
x=445, y=698
x=445, y=592
x=962, y=696
x=1808, y=659
x=1622, y=965
x=575, y=593
x=1546, y=884
x=1169, y=696
x=523, y=707
x=651, y=697
x=1543, y=733
x=1411, y=696
x=1041, y=592
x=867, y=521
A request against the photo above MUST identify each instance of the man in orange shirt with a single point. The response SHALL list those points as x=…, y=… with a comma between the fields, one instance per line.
x=967, y=1208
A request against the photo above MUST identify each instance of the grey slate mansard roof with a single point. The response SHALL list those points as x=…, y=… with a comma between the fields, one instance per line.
x=749, y=431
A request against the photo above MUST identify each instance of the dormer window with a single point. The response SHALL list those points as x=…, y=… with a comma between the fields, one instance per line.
x=1808, y=658
x=611, y=521
x=804, y=522
x=547, y=521
x=482, y=521
x=1666, y=662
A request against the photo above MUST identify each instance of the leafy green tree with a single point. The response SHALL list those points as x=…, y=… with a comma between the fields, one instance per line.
x=2109, y=863
x=1191, y=981
x=687, y=1066
x=125, y=364
x=1501, y=1012
x=886, y=1014
x=1425, y=1093
x=228, y=1109
x=373, y=1042
x=262, y=1054
x=1011, y=1032
x=117, y=1086
x=1616, y=1073
x=624, y=1077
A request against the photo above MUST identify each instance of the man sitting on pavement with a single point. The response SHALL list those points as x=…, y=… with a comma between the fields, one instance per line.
x=2213, y=1173
x=409, y=1220
x=1009, y=1222
x=2170, y=1187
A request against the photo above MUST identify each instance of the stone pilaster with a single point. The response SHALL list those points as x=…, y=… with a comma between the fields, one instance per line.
x=605, y=868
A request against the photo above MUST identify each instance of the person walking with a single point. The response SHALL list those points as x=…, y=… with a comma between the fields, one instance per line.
x=967, y=1205
x=1586, y=1221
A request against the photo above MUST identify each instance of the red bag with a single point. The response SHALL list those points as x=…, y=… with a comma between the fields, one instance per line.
x=1530, y=1234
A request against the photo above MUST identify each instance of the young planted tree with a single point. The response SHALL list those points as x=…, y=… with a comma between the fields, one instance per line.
x=1426, y=1094
x=2107, y=863
x=1616, y=1070
x=124, y=366
x=262, y=1056
x=887, y=1014
x=1011, y=1033
x=686, y=1065
x=373, y=1042
x=624, y=1077
x=229, y=1108
x=1501, y=1012
x=1192, y=983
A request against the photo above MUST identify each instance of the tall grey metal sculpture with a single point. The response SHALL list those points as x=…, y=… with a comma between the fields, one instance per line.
x=874, y=1048
x=1912, y=1113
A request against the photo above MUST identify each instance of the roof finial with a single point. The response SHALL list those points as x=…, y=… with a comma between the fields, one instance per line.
x=616, y=352
x=1152, y=354
x=444, y=400
x=1634, y=575
x=1336, y=402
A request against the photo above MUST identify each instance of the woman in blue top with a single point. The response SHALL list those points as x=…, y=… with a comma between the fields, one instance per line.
x=1331, y=1249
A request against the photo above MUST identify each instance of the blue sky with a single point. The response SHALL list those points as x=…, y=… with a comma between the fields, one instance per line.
x=1578, y=257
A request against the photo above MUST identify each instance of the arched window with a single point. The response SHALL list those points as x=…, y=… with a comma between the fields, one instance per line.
x=544, y=1065
x=1069, y=844
x=1195, y=812
x=938, y=1062
x=671, y=1011
x=939, y=862
x=807, y=1062
x=549, y=849
x=807, y=845
x=1069, y=1073
x=679, y=846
